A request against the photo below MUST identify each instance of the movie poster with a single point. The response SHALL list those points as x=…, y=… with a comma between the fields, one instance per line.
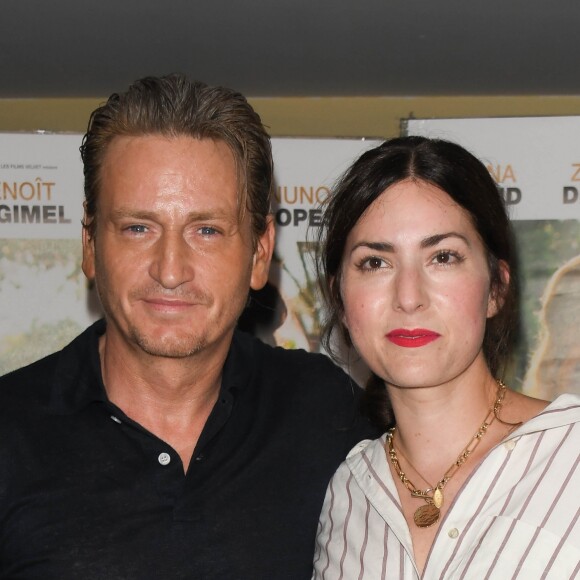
x=43, y=293
x=536, y=163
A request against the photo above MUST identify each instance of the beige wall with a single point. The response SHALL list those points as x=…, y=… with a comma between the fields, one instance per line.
x=308, y=117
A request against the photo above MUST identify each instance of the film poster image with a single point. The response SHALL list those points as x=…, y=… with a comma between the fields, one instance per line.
x=45, y=300
x=43, y=293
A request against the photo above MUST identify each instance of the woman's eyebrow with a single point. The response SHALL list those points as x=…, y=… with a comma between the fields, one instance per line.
x=432, y=241
x=377, y=246
x=427, y=242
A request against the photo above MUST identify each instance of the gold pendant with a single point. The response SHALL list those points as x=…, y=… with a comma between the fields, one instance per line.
x=426, y=515
x=437, y=498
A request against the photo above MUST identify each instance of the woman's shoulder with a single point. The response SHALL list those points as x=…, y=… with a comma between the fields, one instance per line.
x=566, y=400
x=367, y=456
x=565, y=408
x=562, y=413
x=362, y=457
x=364, y=463
x=367, y=447
x=521, y=408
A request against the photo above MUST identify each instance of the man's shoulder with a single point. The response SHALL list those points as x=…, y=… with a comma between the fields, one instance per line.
x=36, y=371
x=27, y=388
x=292, y=363
x=311, y=382
x=306, y=389
x=35, y=379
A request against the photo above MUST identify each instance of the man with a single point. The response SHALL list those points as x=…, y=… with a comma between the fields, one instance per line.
x=162, y=443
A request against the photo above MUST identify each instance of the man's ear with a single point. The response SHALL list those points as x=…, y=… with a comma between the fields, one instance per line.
x=263, y=256
x=496, y=297
x=88, y=263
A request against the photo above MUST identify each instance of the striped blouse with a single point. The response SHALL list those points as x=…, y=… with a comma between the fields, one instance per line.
x=515, y=517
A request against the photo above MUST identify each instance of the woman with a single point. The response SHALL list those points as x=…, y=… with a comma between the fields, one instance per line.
x=471, y=479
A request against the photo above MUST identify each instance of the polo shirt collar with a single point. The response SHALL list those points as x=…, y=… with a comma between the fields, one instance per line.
x=77, y=381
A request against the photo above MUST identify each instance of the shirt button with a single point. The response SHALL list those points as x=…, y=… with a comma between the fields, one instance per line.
x=509, y=445
x=164, y=458
x=116, y=419
x=453, y=533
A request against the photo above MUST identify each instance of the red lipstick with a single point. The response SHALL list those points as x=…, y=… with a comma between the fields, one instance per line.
x=412, y=338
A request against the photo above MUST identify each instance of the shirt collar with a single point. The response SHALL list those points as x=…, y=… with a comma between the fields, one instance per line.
x=78, y=382
x=77, y=379
x=564, y=410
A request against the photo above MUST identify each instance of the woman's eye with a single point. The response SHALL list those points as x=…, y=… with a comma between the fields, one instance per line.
x=372, y=263
x=446, y=257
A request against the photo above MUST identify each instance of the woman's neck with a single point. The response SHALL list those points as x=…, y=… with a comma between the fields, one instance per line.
x=435, y=424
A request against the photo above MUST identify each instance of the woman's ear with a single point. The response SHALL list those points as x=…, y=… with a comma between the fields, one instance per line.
x=498, y=292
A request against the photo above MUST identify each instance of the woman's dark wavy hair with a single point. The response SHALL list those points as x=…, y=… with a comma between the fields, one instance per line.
x=465, y=179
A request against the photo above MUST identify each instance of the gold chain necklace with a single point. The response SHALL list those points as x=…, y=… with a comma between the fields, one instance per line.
x=428, y=514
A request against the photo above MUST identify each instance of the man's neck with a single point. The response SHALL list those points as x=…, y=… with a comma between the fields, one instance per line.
x=170, y=397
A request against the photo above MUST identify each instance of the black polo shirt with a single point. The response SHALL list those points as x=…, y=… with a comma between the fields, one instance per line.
x=86, y=493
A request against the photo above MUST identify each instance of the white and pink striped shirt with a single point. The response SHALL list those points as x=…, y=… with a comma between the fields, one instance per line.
x=515, y=517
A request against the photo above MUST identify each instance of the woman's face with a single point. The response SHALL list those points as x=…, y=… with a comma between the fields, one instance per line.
x=416, y=287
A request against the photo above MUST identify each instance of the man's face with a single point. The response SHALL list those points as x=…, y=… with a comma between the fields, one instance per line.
x=172, y=262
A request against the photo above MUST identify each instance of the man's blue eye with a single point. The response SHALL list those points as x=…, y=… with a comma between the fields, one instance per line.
x=138, y=229
x=207, y=231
